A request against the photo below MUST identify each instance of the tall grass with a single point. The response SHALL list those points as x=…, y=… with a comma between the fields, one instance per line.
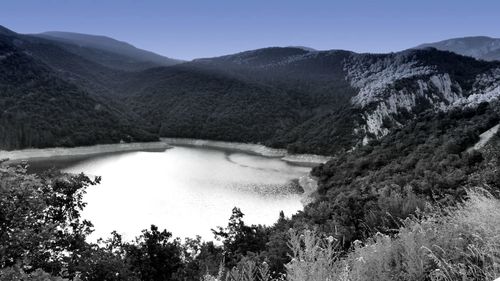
x=460, y=243
x=246, y=270
x=314, y=258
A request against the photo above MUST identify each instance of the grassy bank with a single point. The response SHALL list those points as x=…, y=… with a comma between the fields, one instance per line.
x=459, y=243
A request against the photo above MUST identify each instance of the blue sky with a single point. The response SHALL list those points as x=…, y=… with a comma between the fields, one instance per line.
x=190, y=29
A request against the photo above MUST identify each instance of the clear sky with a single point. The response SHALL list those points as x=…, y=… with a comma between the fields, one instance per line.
x=189, y=29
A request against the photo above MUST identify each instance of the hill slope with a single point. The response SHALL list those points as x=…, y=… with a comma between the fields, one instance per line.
x=479, y=47
x=107, y=51
x=39, y=109
x=308, y=101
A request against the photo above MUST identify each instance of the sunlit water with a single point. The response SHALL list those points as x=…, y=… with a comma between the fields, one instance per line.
x=187, y=190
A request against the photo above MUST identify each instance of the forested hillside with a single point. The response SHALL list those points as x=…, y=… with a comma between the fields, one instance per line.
x=322, y=102
x=107, y=51
x=368, y=194
x=196, y=103
x=39, y=109
x=307, y=101
x=373, y=189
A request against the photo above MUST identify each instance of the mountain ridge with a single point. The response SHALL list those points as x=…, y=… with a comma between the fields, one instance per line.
x=479, y=47
x=107, y=48
x=307, y=101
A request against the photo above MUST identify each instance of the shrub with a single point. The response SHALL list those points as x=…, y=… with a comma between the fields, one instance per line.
x=245, y=270
x=313, y=258
x=460, y=243
x=15, y=273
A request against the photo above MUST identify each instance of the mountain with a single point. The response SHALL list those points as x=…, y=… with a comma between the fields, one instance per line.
x=39, y=108
x=394, y=88
x=249, y=100
x=479, y=47
x=307, y=101
x=108, y=51
x=6, y=31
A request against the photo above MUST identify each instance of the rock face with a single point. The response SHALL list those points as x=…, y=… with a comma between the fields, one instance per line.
x=484, y=138
x=388, y=89
x=395, y=87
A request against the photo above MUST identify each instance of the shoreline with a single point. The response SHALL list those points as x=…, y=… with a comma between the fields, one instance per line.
x=40, y=153
x=164, y=143
x=306, y=182
x=259, y=149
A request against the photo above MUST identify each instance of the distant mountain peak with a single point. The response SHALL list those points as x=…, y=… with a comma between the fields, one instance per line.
x=111, y=52
x=303, y=48
x=87, y=40
x=6, y=31
x=479, y=47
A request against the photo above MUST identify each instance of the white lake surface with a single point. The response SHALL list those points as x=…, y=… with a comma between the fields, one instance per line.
x=187, y=190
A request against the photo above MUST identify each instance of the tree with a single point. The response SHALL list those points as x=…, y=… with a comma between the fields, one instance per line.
x=240, y=239
x=154, y=257
x=40, y=223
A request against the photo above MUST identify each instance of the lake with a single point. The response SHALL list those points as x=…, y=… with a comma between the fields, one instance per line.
x=188, y=190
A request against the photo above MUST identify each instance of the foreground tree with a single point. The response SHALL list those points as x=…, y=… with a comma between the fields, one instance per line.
x=40, y=222
x=154, y=256
x=43, y=237
x=241, y=240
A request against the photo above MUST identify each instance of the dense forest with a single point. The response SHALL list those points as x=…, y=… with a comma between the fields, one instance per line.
x=39, y=109
x=405, y=188
x=210, y=105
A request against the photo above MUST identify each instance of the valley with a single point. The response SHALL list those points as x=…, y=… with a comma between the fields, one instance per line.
x=278, y=163
x=305, y=101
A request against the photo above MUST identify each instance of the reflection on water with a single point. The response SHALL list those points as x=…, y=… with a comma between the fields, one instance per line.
x=187, y=190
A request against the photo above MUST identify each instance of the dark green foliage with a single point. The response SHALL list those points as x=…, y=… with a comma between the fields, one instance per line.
x=239, y=239
x=423, y=162
x=38, y=109
x=16, y=273
x=362, y=192
x=154, y=257
x=200, y=258
x=42, y=235
x=281, y=97
x=40, y=224
x=373, y=188
x=303, y=107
